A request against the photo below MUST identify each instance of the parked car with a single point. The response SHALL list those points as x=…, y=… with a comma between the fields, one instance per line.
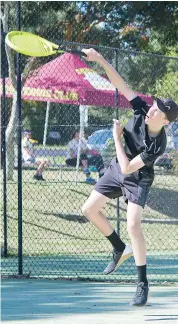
x=164, y=161
x=53, y=136
x=102, y=141
x=167, y=159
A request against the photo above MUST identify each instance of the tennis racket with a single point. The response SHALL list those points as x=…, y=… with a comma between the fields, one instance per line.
x=33, y=45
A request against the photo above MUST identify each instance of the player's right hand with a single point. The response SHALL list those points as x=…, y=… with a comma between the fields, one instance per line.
x=117, y=130
x=92, y=55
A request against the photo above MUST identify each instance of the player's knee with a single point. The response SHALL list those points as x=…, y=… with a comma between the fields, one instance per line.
x=87, y=210
x=134, y=228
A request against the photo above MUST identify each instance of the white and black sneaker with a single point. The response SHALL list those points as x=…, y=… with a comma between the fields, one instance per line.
x=118, y=259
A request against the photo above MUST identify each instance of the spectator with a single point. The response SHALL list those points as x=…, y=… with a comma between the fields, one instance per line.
x=85, y=160
x=29, y=158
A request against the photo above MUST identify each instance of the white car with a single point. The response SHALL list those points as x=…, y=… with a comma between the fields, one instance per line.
x=102, y=141
x=166, y=160
x=54, y=137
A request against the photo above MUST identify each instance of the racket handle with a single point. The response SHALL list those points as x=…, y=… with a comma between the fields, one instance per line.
x=76, y=52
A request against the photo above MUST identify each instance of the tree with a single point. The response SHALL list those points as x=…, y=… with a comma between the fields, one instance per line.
x=122, y=24
x=11, y=127
x=148, y=18
x=166, y=87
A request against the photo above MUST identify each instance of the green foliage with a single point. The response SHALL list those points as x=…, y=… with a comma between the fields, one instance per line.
x=63, y=118
x=33, y=114
x=147, y=26
x=167, y=86
x=123, y=24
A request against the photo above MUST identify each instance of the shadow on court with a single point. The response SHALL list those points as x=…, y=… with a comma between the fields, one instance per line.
x=62, y=301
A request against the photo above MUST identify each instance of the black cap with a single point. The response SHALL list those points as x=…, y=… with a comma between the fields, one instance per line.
x=169, y=107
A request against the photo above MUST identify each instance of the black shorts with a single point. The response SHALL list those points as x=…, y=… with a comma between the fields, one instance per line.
x=133, y=187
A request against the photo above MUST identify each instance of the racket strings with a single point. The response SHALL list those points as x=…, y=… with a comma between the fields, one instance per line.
x=32, y=45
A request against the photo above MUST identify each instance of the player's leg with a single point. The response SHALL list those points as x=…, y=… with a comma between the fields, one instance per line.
x=92, y=210
x=108, y=186
x=134, y=217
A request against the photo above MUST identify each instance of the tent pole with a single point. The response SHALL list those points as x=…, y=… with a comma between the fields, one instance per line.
x=78, y=153
x=83, y=123
x=46, y=124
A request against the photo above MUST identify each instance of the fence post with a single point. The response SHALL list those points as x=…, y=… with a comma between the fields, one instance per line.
x=19, y=131
x=3, y=133
x=117, y=117
x=46, y=124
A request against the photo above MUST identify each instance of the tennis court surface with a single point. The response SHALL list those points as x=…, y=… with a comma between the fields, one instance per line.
x=38, y=301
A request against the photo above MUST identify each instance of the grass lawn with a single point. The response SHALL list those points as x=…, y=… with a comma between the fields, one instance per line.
x=53, y=223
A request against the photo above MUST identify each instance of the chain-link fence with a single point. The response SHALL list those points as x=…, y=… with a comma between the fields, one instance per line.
x=67, y=104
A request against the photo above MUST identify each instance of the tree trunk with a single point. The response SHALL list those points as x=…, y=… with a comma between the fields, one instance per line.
x=12, y=125
x=10, y=139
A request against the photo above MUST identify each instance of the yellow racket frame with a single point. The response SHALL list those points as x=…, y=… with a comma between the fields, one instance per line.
x=30, y=44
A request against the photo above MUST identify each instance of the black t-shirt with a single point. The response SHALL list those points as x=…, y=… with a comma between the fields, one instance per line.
x=137, y=138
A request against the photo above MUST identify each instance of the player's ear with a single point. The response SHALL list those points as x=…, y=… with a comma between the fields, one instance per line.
x=165, y=121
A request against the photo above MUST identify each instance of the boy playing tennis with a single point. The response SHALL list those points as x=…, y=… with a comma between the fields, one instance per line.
x=130, y=174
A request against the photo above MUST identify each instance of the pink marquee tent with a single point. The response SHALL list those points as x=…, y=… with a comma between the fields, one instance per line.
x=69, y=80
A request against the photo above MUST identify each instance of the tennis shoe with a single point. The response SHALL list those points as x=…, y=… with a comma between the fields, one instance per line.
x=42, y=179
x=90, y=181
x=86, y=171
x=141, y=295
x=38, y=177
x=118, y=259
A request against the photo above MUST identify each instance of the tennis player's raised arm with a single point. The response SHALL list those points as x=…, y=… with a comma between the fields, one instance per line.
x=112, y=74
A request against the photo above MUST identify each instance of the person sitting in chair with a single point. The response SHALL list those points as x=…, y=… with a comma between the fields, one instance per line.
x=85, y=161
x=29, y=158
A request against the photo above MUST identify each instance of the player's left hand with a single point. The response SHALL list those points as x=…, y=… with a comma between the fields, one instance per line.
x=117, y=129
